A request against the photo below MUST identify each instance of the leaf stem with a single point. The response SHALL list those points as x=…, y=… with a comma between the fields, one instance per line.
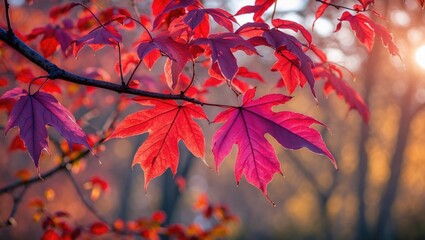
x=86, y=202
x=120, y=64
x=94, y=16
x=32, y=81
x=142, y=25
x=134, y=72
x=193, y=76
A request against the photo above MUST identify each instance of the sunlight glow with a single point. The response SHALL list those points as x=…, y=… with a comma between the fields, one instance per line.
x=420, y=56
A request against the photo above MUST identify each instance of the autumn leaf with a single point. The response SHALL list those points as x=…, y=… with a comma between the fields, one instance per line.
x=283, y=43
x=359, y=24
x=97, y=39
x=246, y=127
x=321, y=10
x=289, y=67
x=366, y=3
x=53, y=36
x=165, y=8
x=220, y=16
x=167, y=123
x=296, y=27
x=258, y=9
x=177, y=54
x=31, y=114
x=220, y=48
x=335, y=82
x=365, y=30
x=56, y=11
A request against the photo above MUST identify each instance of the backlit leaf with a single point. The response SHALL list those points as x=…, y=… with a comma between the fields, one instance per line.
x=246, y=127
x=167, y=123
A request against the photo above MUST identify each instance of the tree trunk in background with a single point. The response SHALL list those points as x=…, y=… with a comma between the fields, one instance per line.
x=383, y=225
x=362, y=169
x=170, y=191
x=362, y=231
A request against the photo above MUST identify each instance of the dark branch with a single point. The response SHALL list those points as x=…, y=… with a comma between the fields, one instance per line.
x=55, y=72
x=44, y=176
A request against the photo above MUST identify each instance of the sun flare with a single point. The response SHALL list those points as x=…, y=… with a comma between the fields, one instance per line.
x=420, y=56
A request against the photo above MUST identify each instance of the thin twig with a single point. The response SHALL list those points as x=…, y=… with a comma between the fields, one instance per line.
x=340, y=6
x=134, y=71
x=16, y=202
x=32, y=81
x=9, y=25
x=44, y=176
x=94, y=16
x=193, y=76
x=142, y=25
x=84, y=199
x=274, y=9
x=120, y=64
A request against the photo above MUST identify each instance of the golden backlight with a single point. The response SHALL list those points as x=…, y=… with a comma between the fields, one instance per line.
x=420, y=56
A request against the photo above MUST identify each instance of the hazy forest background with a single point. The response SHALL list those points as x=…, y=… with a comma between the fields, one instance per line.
x=379, y=189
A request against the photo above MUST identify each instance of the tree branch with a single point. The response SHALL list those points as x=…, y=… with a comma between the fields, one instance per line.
x=55, y=72
x=84, y=199
x=43, y=176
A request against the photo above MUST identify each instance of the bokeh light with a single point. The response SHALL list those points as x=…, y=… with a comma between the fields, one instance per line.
x=420, y=56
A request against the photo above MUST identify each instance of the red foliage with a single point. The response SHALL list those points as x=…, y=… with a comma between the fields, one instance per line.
x=181, y=31
x=165, y=123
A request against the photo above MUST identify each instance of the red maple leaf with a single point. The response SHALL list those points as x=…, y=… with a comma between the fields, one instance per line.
x=31, y=113
x=296, y=27
x=360, y=25
x=335, y=82
x=167, y=123
x=220, y=16
x=320, y=10
x=246, y=127
x=220, y=48
x=366, y=3
x=97, y=39
x=258, y=9
x=53, y=36
x=365, y=30
x=56, y=11
x=283, y=43
x=170, y=9
x=177, y=53
x=289, y=67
